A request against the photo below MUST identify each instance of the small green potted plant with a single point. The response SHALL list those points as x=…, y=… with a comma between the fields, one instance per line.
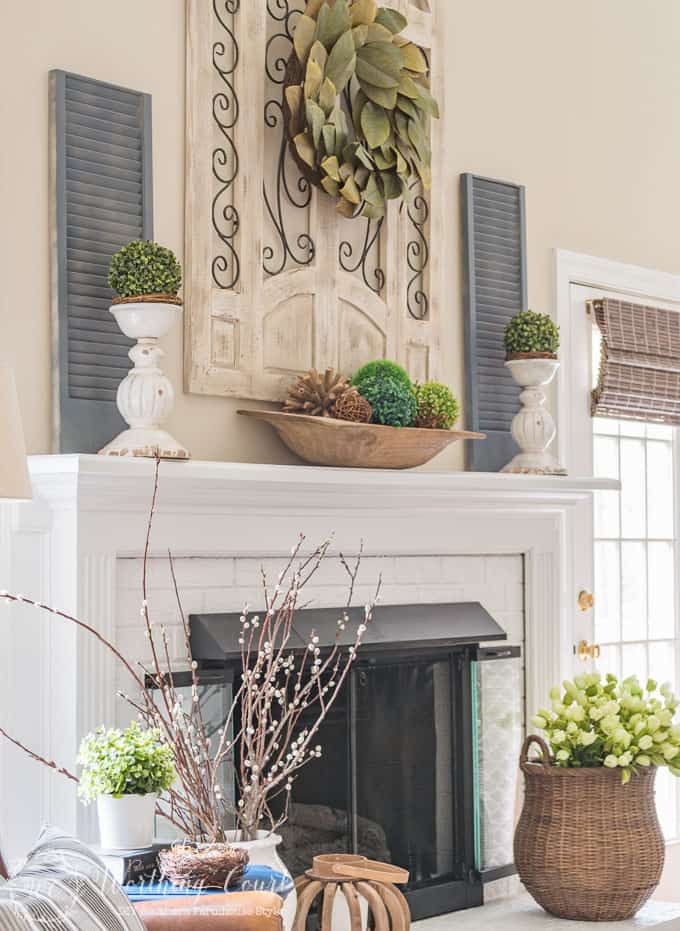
x=531, y=343
x=145, y=272
x=125, y=772
x=530, y=335
x=146, y=278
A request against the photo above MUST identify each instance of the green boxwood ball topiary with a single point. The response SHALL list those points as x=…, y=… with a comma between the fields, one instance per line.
x=143, y=267
x=381, y=367
x=532, y=332
x=437, y=406
x=393, y=402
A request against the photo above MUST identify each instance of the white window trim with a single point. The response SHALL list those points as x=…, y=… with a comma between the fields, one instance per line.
x=574, y=268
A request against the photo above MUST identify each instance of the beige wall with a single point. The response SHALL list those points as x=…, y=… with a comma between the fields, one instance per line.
x=577, y=100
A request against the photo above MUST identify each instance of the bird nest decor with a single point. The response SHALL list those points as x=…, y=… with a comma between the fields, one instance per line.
x=357, y=105
x=198, y=866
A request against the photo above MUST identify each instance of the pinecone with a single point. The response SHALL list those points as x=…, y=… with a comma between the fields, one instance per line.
x=351, y=406
x=316, y=394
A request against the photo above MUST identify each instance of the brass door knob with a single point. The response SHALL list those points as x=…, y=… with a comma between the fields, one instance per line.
x=585, y=600
x=586, y=651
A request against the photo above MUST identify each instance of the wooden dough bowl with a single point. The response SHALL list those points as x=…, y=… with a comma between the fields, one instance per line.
x=329, y=442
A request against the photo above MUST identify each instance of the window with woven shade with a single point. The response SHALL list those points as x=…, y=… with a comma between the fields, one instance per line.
x=639, y=373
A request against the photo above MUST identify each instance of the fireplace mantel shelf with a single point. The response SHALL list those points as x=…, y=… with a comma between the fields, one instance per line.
x=236, y=485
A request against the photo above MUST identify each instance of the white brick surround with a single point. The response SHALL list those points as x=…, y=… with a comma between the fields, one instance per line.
x=218, y=585
x=508, y=541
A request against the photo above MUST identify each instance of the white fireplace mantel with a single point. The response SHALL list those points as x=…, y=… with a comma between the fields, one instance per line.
x=89, y=513
x=191, y=483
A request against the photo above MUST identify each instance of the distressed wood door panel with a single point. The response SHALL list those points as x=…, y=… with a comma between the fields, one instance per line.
x=276, y=281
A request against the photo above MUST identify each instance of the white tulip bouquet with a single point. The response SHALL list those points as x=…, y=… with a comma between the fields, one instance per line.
x=613, y=724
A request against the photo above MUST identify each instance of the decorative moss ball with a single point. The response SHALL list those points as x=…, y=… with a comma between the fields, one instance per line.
x=382, y=368
x=532, y=332
x=437, y=406
x=144, y=267
x=393, y=402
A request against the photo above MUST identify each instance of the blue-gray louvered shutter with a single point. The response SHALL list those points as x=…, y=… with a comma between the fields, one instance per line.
x=494, y=231
x=102, y=198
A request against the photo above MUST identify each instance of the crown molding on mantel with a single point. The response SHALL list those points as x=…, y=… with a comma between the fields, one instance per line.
x=110, y=482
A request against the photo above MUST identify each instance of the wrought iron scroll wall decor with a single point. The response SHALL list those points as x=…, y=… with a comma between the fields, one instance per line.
x=275, y=280
x=373, y=278
x=300, y=248
x=226, y=264
x=418, y=257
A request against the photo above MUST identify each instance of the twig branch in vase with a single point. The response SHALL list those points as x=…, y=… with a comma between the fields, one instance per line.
x=289, y=683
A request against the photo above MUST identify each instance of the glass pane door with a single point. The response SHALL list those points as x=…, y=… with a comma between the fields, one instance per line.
x=636, y=604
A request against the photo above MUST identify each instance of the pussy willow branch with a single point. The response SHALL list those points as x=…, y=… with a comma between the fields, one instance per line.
x=273, y=751
x=284, y=675
x=39, y=759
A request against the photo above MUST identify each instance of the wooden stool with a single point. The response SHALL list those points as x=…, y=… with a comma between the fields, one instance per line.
x=357, y=878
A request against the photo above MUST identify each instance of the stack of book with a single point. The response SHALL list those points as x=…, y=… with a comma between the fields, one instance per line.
x=132, y=866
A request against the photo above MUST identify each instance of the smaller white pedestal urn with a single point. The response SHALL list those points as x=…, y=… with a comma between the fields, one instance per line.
x=533, y=428
x=145, y=396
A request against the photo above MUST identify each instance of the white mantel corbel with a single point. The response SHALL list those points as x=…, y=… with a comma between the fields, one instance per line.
x=89, y=512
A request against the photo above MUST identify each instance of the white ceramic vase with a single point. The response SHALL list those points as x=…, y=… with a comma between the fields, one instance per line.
x=145, y=396
x=263, y=852
x=126, y=823
x=533, y=428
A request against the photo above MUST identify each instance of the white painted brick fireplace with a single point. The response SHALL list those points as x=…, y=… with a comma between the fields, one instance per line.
x=507, y=541
x=222, y=585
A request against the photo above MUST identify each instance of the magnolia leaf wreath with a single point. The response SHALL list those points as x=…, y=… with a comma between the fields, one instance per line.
x=358, y=105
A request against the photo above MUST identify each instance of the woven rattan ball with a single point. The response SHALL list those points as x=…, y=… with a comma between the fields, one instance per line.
x=351, y=406
x=213, y=866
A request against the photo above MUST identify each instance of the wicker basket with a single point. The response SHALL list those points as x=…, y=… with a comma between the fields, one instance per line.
x=586, y=846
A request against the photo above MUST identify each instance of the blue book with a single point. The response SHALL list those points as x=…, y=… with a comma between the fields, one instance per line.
x=255, y=878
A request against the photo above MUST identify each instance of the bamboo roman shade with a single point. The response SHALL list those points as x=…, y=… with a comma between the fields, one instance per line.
x=639, y=376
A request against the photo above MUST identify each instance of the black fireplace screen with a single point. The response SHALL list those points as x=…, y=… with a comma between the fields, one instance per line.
x=407, y=759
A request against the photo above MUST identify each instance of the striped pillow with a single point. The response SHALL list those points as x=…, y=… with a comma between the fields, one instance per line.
x=63, y=886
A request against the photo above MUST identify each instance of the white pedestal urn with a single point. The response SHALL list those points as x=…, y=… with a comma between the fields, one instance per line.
x=126, y=823
x=145, y=396
x=263, y=852
x=533, y=428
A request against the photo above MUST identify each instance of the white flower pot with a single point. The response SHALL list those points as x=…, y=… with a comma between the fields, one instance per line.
x=126, y=823
x=146, y=396
x=141, y=320
x=263, y=852
x=533, y=428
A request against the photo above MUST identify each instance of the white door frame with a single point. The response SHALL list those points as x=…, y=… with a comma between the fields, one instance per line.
x=574, y=268
x=649, y=285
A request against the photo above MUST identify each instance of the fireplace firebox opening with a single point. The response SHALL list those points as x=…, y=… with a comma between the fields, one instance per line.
x=410, y=748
